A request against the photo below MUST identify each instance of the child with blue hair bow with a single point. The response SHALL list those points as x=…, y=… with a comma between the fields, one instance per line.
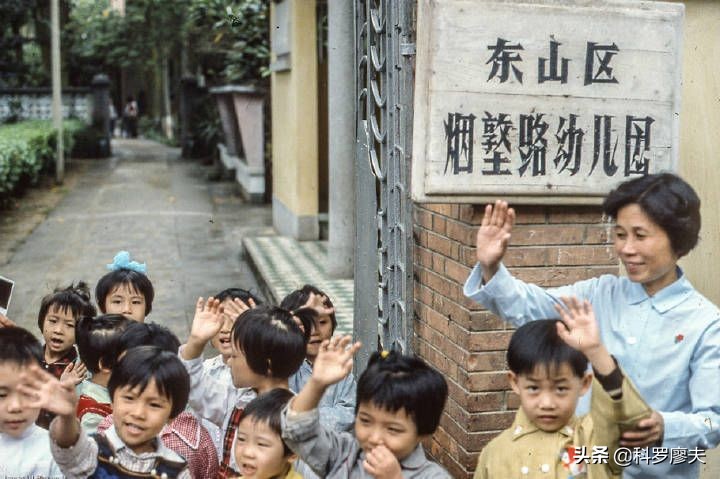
x=126, y=289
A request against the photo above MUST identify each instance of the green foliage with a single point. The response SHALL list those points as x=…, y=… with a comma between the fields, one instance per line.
x=230, y=39
x=15, y=14
x=28, y=147
x=100, y=39
x=152, y=130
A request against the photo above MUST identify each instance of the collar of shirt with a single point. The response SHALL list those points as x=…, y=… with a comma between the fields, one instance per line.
x=523, y=426
x=96, y=391
x=215, y=363
x=665, y=299
x=69, y=357
x=31, y=430
x=160, y=450
x=186, y=427
x=415, y=460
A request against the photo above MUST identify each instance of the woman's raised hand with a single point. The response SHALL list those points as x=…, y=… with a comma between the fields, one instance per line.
x=493, y=237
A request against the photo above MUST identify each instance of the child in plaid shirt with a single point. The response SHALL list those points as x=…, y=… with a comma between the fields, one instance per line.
x=184, y=434
x=58, y=315
x=268, y=347
x=148, y=387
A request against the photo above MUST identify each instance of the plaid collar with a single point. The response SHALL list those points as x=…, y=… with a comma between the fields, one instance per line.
x=69, y=357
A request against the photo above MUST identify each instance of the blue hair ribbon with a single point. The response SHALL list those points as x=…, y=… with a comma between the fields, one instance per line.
x=122, y=261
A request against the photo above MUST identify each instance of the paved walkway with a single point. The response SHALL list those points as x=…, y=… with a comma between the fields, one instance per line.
x=157, y=206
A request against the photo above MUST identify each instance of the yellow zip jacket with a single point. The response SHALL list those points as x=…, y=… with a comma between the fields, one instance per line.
x=525, y=452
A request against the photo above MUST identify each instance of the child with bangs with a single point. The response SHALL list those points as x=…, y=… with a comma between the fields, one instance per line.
x=337, y=406
x=97, y=341
x=59, y=313
x=234, y=302
x=260, y=452
x=268, y=346
x=183, y=434
x=548, y=362
x=126, y=289
x=149, y=387
x=24, y=446
x=399, y=403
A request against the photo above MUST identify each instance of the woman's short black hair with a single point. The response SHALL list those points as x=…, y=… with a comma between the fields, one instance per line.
x=75, y=298
x=238, y=293
x=668, y=200
x=97, y=340
x=19, y=346
x=267, y=408
x=134, y=280
x=393, y=381
x=299, y=297
x=273, y=344
x=147, y=334
x=143, y=364
x=537, y=343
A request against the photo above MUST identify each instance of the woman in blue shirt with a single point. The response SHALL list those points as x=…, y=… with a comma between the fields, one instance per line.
x=664, y=334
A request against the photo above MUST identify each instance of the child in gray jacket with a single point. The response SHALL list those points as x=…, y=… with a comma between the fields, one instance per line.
x=399, y=403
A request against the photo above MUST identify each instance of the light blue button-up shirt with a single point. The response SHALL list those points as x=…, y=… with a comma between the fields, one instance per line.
x=337, y=406
x=668, y=344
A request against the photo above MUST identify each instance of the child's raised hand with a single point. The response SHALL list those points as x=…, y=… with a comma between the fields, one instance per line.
x=237, y=306
x=208, y=319
x=579, y=329
x=382, y=464
x=5, y=322
x=318, y=303
x=493, y=236
x=334, y=360
x=45, y=391
x=75, y=372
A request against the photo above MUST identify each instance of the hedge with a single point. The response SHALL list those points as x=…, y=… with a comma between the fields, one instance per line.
x=27, y=148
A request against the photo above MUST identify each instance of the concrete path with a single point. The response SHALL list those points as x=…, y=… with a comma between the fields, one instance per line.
x=163, y=210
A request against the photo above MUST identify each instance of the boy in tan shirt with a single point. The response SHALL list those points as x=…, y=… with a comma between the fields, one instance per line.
x=548, y=370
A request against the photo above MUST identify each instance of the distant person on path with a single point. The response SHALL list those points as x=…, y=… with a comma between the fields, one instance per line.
x=663, y=333
x=130, y=117
x=113, y=118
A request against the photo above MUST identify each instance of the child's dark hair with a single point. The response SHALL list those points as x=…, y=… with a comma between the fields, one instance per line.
x=75, y=298
x=299, y=297
x=19, y=346
x=273, y=344
x=97, y=340
x=668, y=200
x=238, y=293
x=145, y=363
x=147, y=334
x=537, y=343
x=393, y=381
x=133, y=279
x=267, y=408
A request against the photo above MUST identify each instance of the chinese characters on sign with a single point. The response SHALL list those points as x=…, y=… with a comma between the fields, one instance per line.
x=536, y=141
x=550, y=107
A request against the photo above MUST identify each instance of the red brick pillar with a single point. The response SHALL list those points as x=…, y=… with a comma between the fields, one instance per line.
x=550, y=246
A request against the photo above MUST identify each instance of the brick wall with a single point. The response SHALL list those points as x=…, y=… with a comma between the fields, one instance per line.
x=550, y=246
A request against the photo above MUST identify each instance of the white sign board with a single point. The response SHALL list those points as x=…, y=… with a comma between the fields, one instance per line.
x=543, y=101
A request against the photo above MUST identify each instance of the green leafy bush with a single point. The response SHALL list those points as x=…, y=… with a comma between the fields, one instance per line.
x=26, y=149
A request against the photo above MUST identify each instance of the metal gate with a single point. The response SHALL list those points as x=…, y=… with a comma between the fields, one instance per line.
x=385, y=55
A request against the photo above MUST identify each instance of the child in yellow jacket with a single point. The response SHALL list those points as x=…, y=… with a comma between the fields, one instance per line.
x=548, y=370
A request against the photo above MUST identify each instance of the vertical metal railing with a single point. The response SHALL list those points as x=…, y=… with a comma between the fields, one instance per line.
x=384, y=75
